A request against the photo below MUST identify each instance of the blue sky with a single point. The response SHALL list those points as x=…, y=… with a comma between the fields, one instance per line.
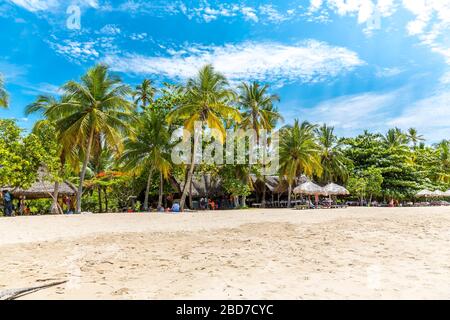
x=355, y=64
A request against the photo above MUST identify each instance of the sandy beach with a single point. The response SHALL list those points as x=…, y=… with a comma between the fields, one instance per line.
x=376, y=253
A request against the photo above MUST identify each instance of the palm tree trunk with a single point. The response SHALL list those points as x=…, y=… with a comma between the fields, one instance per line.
x=189, y=176
x=106, y=199
x=263, y=200
x=147, y=189
x=289, y=194
x=54, y=209
x=83, y=170
x=161, y=187
x=99, y=192
x=190, y=194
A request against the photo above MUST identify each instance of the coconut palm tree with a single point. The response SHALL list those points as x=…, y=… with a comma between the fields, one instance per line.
x=414, y=137
x=333, y=161
x=395, y=138
x=3, y=94
x=258, y=112
x=66, y=152
x=257, y=107
x=144, y=93
x=207, y=100
x=98, y=106
x=149, y=150
x=299, y=153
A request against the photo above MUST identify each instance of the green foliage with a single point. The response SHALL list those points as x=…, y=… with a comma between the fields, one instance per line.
x=22, y=156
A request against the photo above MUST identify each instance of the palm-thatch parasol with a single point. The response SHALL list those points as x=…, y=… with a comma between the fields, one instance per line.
x=333, y=189
x=439, y=194
x=424, y=193
x=309, y=188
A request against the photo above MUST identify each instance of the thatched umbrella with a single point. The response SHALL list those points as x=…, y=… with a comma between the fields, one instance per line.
x=309, y=188
x=439, y=194
x=424, y=193
x=333, y=189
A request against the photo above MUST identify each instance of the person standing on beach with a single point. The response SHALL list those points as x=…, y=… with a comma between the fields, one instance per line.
x=7, y=202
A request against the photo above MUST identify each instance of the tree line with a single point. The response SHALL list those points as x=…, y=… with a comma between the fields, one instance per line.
x=113, y=142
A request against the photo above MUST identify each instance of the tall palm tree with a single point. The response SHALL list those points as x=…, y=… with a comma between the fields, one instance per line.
x=332, y=158
x=257, y=107
x=258, y=112
x=208, y=100
x=3, y=94
x=414, y=137
x=149, y=150
x=66, y=152
x=98, y=105
x=144, y=93
x=299, y=153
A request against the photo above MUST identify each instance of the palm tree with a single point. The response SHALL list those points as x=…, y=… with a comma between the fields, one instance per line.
x=395, y=138
x=98, y=106
x=42, y=105
x=144, y=93
x=150, y=150
x=258, y=113
x=443, y=149
x=257, y=107
x=207, y=99
x=414, y=136
x=3, y=95
x=332, y=158
x=299, y=153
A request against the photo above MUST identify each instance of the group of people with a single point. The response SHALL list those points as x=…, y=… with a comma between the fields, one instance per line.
x=206, y=204
x=9, y=208
x=175, y=208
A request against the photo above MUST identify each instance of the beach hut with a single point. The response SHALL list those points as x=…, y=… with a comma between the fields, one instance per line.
x=43, y=190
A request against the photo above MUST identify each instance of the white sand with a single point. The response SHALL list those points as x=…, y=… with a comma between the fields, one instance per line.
x=254, y=254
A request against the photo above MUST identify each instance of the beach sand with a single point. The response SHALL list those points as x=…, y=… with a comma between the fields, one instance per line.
x=376, y=253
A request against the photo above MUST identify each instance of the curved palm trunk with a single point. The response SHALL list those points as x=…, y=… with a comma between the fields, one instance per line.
x=83, y=171
x=147, y=189
x=106, y=199
x=161, y=187
x=54, y=208
x=189, y=176
x=263, y=200
x=100, y=206
x=289, y=195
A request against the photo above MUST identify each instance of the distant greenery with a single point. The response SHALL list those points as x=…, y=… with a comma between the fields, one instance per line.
x=113, y=143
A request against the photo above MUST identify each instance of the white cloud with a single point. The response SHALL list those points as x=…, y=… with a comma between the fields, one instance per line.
x=309, y=61
x=110, y=29
x=351, y=114
x=249, y=14
x=50, y=5
x=76, y=51
x=388, y=72
x=431, y=116
x=36, y=5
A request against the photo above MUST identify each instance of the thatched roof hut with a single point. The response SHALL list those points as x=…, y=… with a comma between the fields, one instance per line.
x=42, y=189
x=202, y=185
